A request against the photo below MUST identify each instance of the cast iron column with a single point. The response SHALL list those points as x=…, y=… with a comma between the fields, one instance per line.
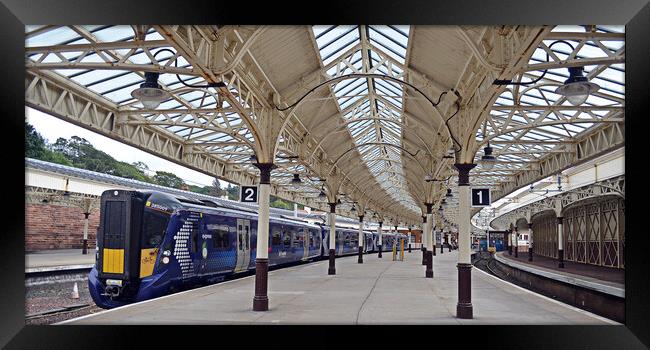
x=442, y=245
x=516, y=242
x=530, y=241
x=464, y=308
x=332, y=245
x=360, y=260
x=84, y=248
x=409, y=238
x=507, y=237
x=560, y=242
x=430, y=242
x=261, y=299
x=379, y=234
x=423, y=239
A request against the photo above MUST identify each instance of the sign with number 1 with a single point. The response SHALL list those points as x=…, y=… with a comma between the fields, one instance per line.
x=248, y=194
x=480, y=197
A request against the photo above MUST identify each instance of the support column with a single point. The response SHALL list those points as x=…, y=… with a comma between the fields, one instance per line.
x=507, y=237
x=84, y=248
x=442, y=240
x=261, y=300
x=516, y=242
x=409, y=238
x=560, y=242
x=332, y=244
x=361, y=239
x=449, y=241
x=379, y=234
x=423, y=239
x=530, y=241
x=464, y=308
x=430, y=242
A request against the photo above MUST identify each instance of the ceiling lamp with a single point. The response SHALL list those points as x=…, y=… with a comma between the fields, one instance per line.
x=150, y=93
x=322, y=194
x=296, y=179
x=576, y=89
x=440, y=209
x=488, y=160
x=353, y=209
x=449, y=195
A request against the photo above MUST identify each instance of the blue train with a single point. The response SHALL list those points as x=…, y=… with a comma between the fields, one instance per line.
x=153, y=243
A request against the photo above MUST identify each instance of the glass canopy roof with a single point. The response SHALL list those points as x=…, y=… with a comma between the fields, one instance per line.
x=371, y=107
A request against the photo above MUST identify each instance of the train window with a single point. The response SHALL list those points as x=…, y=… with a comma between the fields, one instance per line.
x=247, y=237
x=299, y=239
x=220, y=239
x=275, y=238
x=286, y=238
x=154, y=225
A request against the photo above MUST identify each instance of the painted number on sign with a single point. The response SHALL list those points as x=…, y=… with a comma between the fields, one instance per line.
x=248, y=194
x=480, y=197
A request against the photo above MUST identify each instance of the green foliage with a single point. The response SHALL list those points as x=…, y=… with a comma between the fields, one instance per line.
x=198, y=189
x=168, y=179
x=233, y=192
x=80, y=153
x=215, y=189
x=280, y=203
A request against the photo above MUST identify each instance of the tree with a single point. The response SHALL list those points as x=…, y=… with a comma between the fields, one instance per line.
x=36, y=147
x=233, y=192
x=215, y=189
x=167, y=179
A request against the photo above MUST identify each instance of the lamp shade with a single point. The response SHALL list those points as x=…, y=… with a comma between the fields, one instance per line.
x=150, y=93
x=576, y=89
x=488, y=160
x=296, y=179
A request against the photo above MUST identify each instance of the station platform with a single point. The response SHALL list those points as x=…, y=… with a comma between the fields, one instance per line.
x=379, y=291
x=599, y=278
x=58, y=260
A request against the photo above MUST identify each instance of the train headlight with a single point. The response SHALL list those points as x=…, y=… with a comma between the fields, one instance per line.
x=165, y=260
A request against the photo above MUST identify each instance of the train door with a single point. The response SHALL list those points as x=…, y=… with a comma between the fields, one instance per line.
x=305, y=243
x=243, y=245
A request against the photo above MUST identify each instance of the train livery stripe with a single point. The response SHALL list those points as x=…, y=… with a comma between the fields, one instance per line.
x=147, y=260
x=113, y=261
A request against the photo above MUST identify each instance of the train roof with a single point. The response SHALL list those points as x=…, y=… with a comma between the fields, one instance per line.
x=188, y=195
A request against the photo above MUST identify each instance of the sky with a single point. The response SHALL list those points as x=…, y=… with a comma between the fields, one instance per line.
x=51, y=128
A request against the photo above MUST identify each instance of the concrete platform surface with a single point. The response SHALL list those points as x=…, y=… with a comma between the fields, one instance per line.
x=379, y=291
x=59, y=259
x=563, y=275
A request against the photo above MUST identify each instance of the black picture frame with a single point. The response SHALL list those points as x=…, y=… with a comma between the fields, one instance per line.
x=635, y=14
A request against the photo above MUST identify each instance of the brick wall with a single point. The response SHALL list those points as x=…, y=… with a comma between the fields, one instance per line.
x=57, y=227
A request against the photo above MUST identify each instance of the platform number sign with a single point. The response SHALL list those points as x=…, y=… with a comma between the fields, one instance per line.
x=480, y=197
x=248, y=194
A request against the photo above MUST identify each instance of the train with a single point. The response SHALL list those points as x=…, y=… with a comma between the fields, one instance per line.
x=152, y=243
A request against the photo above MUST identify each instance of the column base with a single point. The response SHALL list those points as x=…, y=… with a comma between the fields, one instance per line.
x=261, y=299
x=464, y=308
x=560, y=255
x=424, y=256
x=530, y=254
x=360, y=259
x=429, y=271
x=84, y=248
x=433, y=251
x=409, y=248
x=442, y=249
x=332, y=267
x=379, y=255
x=509, y=250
